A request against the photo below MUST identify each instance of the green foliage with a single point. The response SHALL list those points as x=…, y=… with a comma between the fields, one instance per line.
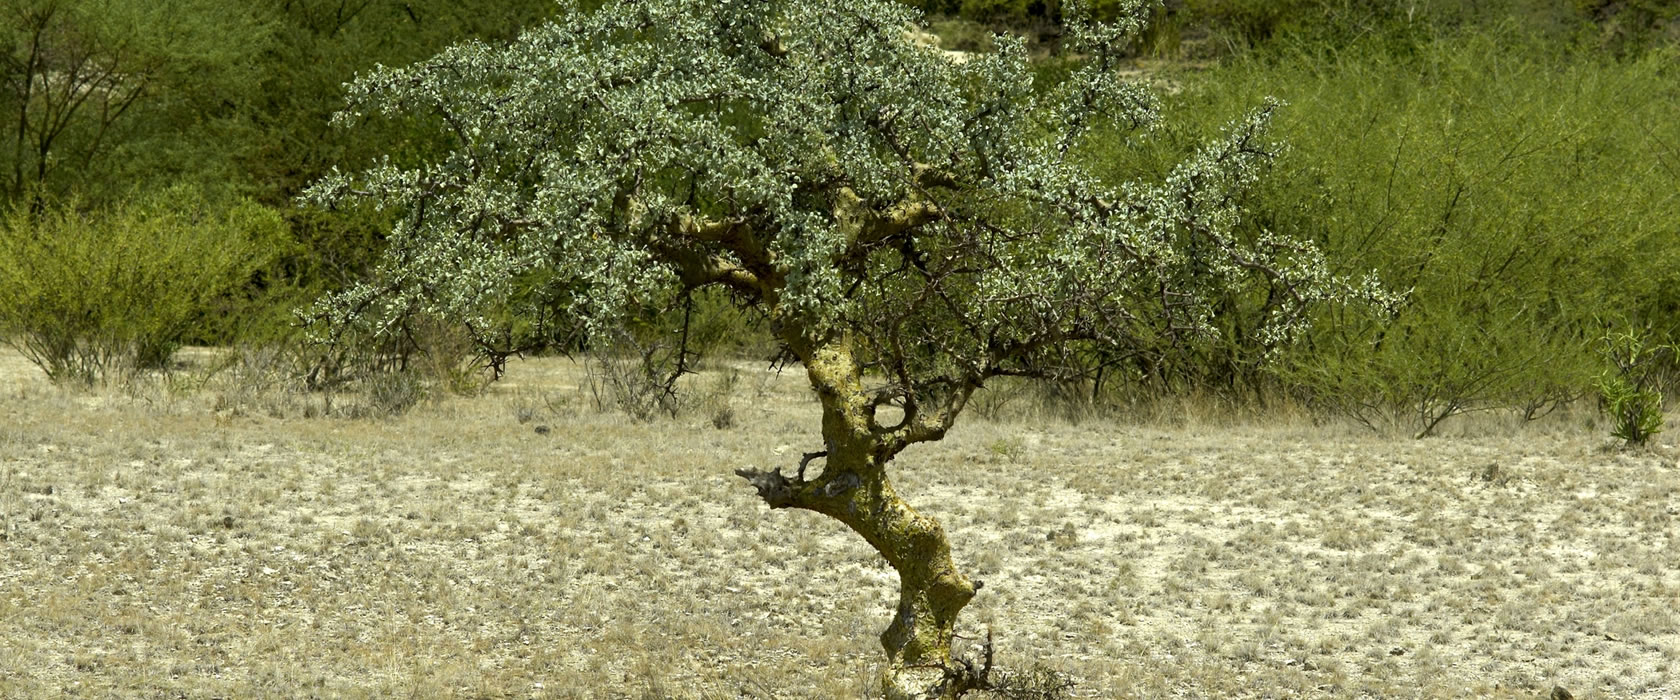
x=1217, y=28
x=117, y=289
x=1513, y=196
x=1630, y=390
x=1200, y=29
x=1244, y=27
x=96, y=95
x=227, y=95
x=1630, y=26
x=1479, y=154
x=813, y=162
x=1514, y=203
x=321, y=44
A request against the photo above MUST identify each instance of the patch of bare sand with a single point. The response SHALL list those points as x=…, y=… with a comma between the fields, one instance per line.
x=156, y=547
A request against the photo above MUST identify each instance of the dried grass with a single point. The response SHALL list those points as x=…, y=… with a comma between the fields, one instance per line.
x=523, y=544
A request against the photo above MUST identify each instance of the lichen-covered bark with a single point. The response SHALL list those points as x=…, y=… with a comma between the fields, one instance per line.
x=853, y=488
x=932, y=591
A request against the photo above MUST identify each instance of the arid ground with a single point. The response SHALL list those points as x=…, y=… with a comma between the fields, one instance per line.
x=196, y=537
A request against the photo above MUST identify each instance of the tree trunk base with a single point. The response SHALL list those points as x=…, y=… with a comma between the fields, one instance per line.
x=918, y=683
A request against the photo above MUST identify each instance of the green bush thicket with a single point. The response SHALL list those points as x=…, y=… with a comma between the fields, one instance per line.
x=87, y=295
x=1629, y=26
x=230, y=97
x=1210, y=28
x=1203, y=29
x=1515, y=198
x=98, y=96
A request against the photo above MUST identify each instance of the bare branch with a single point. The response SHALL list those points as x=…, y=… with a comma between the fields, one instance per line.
x=806, y=461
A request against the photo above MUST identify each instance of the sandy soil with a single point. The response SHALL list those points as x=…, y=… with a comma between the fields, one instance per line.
x=196, y=539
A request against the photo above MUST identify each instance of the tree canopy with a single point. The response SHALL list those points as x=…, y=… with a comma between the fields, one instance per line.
x=818, y=162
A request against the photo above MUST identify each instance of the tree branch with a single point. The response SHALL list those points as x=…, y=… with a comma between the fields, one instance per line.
x=867, y=228
x=776, y=490
x=734, y=234
x=698, y=269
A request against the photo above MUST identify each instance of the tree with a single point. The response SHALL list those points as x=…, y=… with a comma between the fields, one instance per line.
x=93, y=91
x=910, y=225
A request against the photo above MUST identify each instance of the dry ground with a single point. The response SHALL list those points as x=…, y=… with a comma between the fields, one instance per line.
x=159, y=542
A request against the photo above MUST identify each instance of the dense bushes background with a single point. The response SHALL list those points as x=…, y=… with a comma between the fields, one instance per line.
x=90, y=293
x=1202, y=29
x=107, y=105
x=1528, y=203
x=1514, y=165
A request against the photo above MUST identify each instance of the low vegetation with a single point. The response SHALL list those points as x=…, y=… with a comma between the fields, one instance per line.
x=97, y=295
x=1521, y=201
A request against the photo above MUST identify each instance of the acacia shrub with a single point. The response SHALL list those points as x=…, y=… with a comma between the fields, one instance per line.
x=86, y=294
x=1631, y=389
x=1516, y=197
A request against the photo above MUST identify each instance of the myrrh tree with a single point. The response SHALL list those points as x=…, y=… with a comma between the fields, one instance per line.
x=910, y=223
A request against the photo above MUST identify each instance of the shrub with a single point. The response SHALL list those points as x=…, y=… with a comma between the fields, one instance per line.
x=86, y=294
x=1630, y=26
x=1515, y=196
x=1515, y=203
x=1630, y=390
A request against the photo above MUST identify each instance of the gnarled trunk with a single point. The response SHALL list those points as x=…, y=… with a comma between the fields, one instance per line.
x=930, y=594
x=853, y=488
x=931, y=590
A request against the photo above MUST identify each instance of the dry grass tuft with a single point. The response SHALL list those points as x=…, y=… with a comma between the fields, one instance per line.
x=524, y=544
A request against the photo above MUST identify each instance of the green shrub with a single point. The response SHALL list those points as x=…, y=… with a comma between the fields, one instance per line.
x=87, y=294
x=1514, y=197
x=1242, y=27
x=1631, y=26
x=1630, y=390
x=1199, y=29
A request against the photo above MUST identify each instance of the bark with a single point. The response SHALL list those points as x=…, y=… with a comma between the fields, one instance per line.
x=931, y=590
x=853, y=488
